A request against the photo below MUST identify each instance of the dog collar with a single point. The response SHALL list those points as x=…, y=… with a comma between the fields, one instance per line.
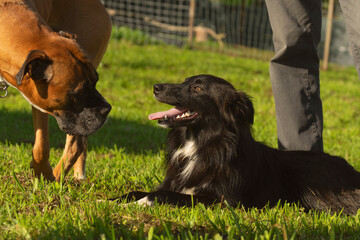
x=3, y=88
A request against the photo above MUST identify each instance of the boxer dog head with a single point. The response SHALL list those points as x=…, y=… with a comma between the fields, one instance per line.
x=60, y=80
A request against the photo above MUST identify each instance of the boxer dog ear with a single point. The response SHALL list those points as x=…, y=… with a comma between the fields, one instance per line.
x=37, y=65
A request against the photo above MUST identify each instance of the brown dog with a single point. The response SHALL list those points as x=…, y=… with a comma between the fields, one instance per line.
x=55, y=72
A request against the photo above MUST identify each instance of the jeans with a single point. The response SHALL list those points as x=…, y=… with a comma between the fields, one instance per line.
x=294, y=70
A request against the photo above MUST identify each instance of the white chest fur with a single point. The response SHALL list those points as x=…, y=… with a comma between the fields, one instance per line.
x=189, y=151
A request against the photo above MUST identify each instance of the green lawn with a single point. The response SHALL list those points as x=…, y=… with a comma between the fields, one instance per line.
x=127, y=153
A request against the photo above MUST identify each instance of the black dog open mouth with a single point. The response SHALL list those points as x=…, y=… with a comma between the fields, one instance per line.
x=176, y=114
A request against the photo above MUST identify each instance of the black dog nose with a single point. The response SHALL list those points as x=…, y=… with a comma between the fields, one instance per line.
x=158, y=88
x=105, y=110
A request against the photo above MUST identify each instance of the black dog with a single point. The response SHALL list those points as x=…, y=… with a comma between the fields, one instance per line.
x=212, y=156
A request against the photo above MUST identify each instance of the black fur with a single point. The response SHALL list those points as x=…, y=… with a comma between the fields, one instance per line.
x=230, y=165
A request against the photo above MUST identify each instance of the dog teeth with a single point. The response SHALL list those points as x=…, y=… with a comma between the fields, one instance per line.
x=187, y=114
x=166, y=117
x=184, y=115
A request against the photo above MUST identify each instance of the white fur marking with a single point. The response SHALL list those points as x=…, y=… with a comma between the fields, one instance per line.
x=188, y=169
x=145, y=202
x=189, y=191
x=35, y=106
x=2, y=79
x=188, y=150
x=204, y=185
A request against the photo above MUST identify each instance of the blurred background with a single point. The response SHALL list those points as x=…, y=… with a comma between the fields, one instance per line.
x=239, y=27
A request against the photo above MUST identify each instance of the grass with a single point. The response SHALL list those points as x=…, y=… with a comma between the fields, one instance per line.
x=127, y=155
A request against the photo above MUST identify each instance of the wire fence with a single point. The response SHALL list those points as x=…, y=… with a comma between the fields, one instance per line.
x=238, y=27
x=216, y=24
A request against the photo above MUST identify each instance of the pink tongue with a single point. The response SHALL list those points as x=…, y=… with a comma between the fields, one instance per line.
x=172, y=112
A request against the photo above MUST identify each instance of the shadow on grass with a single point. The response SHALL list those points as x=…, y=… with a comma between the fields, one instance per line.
x=16, y=127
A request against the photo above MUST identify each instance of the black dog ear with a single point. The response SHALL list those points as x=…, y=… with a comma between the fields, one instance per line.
x=38, y=65
x=240, y=108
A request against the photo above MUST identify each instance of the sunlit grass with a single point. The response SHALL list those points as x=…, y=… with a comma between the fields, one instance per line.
x=127, y=153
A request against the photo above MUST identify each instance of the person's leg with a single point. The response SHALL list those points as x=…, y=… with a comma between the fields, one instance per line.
x=351, y=11
x=294, y=73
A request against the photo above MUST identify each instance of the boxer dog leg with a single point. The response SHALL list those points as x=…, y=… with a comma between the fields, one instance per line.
x=94, y=41
x=41, y=151
x=75, y=150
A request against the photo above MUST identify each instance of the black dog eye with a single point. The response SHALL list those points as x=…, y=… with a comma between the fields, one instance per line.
x=198, y=89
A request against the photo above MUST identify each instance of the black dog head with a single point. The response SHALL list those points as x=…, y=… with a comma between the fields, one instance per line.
x=205, y=100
